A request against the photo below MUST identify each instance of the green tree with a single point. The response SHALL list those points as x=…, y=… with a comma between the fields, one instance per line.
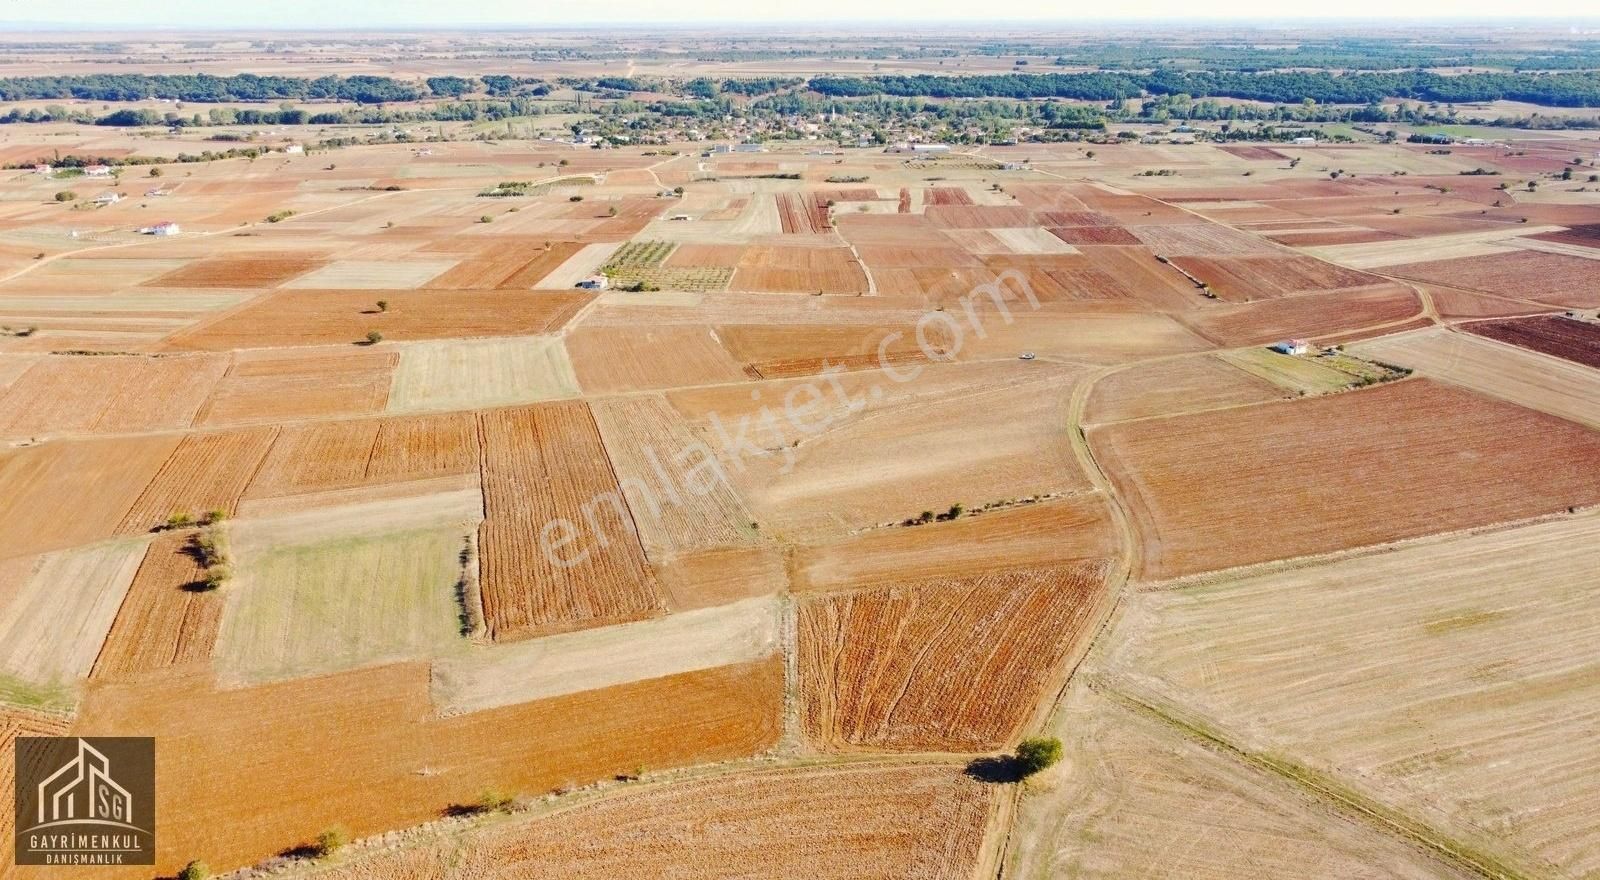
x=374, y=337
x=331, y=840
x=195, y=870
x=1036, y=753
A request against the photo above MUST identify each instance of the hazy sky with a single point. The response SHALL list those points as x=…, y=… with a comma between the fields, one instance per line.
x=291, y=14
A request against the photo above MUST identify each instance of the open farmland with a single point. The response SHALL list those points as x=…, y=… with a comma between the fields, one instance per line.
x=383, y=760
x=951, y=664
x=1454, y=679
x=1136, y=798
x=496, y=372
x=1537, y=381
x=1576, y=341
x=331, y=605
x=709, y=566
x=903, y=820
x=559, y=546
x=680, y=497
x=1279, y=491
x=166, y=620
x=207, y=472
x=52, y=628
x=334, y=317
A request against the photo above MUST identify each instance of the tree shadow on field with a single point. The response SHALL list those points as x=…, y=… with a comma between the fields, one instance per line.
x=998, y=770
x=300, y=851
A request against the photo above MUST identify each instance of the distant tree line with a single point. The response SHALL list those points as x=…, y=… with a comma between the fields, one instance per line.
x=1545, y=89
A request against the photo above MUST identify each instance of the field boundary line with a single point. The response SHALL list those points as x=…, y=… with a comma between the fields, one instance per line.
x=1295, y=563
x=1388, y=819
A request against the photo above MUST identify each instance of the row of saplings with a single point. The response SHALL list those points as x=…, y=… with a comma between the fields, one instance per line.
x=1033, y=754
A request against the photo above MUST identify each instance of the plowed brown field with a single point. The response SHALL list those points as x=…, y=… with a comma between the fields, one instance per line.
x=365, y=750
x=1576, y=341
x=241, y=272
x=70, y=492
x=1243, y=279
x=208, y=471
x=904, y=821
x=953, y=664
x=544, y=465
x=1562, y=280
x=1327, y=473
x=164, y=620
x=799, y=270
x=1311, y=315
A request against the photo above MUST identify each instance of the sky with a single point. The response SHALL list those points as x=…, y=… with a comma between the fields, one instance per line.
x=392, y=14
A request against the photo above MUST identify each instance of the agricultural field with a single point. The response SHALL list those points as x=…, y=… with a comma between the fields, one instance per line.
x=865, y=467
x=1576, y=341
x=912, y=820
x=1278, y=492
x=1445, y=672
x=950, y=665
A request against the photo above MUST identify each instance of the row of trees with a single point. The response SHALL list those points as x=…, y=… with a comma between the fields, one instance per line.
x=1549, y=89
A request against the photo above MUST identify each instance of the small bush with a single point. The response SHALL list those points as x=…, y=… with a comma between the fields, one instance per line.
x=494, y=800
x=196, y=870
x=331, y=840
x=66, y=195
x=383, y=305
x=574, y=198
x=374, y=337
x=155, y=172
x=486, y=219
x=179, y=520
x=216, y=515
x=1036, y=753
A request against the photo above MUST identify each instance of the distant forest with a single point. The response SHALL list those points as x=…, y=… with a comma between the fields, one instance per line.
x=1580, y=89
x=1547, y=89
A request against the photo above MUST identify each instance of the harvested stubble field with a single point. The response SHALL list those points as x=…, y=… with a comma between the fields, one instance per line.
x=485, y=677
x=1137, y=798
x=316, y=608
x=1254, y=484
x=318, y=317
x=16, y=721
x=107, y=394
x=1053, y=532
x=952, y=664
x=461, y=374
x=1176, y=386
x=366, y=750
x=1513, y=374
x=608, y=360
x=166, y=619
x=706, y=578
x=542, y=464
x=315, y=456
x=272, y=386
x=208, y=471
x=680, y=498
x=1455, y=680
x=899, y=461
x=52, y=628
x=1576, y=341
x=371, y=275
x=901, y=820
